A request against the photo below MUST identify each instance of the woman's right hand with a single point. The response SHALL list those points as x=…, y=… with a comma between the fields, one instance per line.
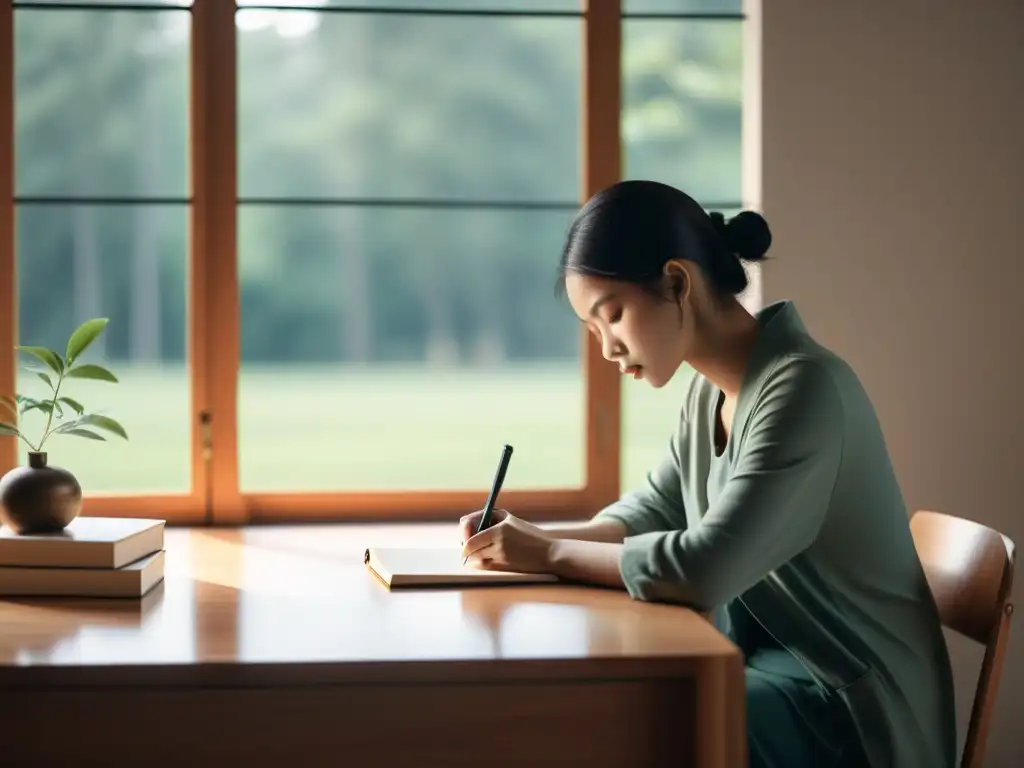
x=469, y=523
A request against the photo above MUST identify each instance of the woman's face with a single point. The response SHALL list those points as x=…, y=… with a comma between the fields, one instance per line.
x=645, y=334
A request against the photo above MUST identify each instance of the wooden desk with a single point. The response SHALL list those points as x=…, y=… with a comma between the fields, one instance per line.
x=275, y=646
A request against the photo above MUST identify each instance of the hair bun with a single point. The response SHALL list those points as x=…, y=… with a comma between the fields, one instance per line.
x=746, y=234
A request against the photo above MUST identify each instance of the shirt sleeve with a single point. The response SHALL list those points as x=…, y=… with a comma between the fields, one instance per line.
x=658, y=504
x=769, y=510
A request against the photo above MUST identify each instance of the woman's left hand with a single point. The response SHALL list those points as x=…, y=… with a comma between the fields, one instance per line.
x=511, y=545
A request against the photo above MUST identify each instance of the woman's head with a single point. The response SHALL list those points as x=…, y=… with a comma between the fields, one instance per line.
x=646, y=267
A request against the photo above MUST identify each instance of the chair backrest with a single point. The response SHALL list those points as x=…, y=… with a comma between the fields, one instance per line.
x=969, y=568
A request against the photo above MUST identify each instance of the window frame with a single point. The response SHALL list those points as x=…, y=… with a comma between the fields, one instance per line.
x=213, y=341
x=8, y=261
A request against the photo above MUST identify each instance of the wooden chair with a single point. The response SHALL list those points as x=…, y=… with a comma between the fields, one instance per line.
x=969, y=568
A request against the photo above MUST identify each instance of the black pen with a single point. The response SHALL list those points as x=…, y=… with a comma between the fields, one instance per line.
x=499, y=479
x=492, y=498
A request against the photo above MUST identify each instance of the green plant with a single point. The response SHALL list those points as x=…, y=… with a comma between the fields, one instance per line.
x=58, y=371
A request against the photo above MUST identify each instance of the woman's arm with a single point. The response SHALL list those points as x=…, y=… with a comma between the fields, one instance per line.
x=589, y=552
x=589, y=562
x=586, y=551
x=769, y=510
x=657, y=505
x=608, y=530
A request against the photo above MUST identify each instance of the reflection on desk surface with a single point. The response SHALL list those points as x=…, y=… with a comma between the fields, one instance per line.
x=303, y=594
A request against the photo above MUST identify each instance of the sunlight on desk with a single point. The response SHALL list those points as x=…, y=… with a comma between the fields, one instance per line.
x=270, y=630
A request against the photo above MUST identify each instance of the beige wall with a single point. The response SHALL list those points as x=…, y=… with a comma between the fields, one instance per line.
x=892, y=175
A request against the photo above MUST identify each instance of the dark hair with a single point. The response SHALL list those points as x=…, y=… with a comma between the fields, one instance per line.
x=629, y=230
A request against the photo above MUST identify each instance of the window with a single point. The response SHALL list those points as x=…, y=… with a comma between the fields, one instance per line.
x=101, y=211
x=325, y=234
x=397, y=223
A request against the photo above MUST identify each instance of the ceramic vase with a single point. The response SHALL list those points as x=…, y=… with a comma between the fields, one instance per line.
x=39, y=498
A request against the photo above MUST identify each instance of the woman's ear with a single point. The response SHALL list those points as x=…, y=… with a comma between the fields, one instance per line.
x=678, y=280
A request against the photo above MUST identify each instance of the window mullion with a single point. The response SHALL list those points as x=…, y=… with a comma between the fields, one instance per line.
x=214, y=331
x=8, y=271
x=602, y=163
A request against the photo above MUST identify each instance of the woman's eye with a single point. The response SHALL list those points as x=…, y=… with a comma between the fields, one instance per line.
x=615, y=316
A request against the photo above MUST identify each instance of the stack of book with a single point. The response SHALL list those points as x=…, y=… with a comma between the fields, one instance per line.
x=92, y=557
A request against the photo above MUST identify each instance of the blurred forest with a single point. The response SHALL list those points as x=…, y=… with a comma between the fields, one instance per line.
x=406, y=111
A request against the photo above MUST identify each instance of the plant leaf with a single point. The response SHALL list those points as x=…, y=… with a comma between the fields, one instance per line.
x=45, y=377
x=31, y=404
x=10, y=404
x=48, y=356
x=85, y=433
x=91, y=371
x=72, y=404
x=103, y=422
x=9, y=430
x=83, y=336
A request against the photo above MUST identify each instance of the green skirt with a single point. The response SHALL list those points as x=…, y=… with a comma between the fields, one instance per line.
x=792, y=722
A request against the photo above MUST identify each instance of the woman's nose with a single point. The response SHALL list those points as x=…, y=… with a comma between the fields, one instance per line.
x=611, y=349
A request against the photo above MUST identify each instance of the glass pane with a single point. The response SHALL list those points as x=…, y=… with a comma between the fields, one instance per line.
x=101, y=103
x=682, y=105
x=682, y=6
x=429, y=5
x=342, y=105
x=388, y=348
x=649, y=419
x=126, y=263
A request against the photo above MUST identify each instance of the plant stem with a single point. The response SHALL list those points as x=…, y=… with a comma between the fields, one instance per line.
x=49, y=416
x=34, y=449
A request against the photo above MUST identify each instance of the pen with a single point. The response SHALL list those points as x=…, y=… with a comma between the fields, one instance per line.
x=492, y=498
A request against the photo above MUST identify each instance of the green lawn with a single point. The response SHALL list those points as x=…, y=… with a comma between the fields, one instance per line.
x=395, y=428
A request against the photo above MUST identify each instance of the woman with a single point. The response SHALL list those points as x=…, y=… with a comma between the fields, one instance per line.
x=775, y=505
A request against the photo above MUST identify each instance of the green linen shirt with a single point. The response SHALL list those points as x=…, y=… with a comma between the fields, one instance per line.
x=802, y=519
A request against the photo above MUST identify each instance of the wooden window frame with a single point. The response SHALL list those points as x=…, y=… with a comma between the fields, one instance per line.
x=213, y=300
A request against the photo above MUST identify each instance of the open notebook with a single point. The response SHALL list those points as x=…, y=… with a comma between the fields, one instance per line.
x=423, y=567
